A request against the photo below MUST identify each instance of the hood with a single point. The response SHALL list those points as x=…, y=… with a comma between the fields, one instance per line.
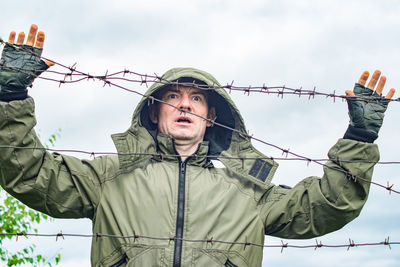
x=230, y=147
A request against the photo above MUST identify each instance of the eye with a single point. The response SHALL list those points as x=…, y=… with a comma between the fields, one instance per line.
x=197, y=98
x=171, y=96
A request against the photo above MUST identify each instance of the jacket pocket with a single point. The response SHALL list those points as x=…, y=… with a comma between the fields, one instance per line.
x=135, y=255
x=121, y=262
x=228, y=263
x=217, y=258
x=145, y=256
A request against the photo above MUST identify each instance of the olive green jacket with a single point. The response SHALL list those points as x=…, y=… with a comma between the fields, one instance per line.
x=151, y=194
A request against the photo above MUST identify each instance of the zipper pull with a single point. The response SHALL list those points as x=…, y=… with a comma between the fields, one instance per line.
x=182, y=167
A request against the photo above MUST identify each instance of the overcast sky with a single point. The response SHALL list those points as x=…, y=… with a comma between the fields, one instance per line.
x=326, y=44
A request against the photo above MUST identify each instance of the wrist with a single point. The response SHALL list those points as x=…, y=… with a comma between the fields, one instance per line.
x=7, y=96
x=358, y=134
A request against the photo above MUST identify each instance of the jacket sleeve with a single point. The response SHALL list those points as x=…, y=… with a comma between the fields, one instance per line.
x=317, y=206
x=58, y=185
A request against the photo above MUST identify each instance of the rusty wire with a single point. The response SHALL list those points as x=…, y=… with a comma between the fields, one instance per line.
x=155, y=78
x=208, y=241
x=351, y=176
x=211, y=157
x=279, y=91
x=145, y=79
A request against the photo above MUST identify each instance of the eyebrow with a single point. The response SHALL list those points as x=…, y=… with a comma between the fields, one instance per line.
x=175, y=90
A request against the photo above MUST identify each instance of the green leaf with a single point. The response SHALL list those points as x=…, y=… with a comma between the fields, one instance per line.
x=15, y=217
x=58, y=258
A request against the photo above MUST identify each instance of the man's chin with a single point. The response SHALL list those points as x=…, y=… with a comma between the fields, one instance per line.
x=182, y=137
x=186, y=136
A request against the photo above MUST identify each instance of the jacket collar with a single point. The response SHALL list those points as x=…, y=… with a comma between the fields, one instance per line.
x=167, y=150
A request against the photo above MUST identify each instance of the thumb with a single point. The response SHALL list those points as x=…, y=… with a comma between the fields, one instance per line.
x=49, y=62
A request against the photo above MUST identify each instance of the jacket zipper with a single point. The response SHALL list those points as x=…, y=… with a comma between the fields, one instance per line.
x=180, y=214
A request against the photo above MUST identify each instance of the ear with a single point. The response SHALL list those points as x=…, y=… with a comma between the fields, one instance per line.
x=211, y=116
x=153, y=113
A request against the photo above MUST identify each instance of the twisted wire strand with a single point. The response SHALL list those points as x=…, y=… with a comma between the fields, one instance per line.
x=388, y=187
x=208, y=241
x=145, y=79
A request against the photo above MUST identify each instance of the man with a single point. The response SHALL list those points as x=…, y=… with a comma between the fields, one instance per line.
x=163, y=185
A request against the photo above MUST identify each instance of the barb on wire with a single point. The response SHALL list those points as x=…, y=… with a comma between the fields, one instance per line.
x=210, y=241
x=284, y=245
x=351, y=244
x=20, y=234
x=139, y=237
x=318, y=245
x=60, y=234
x=387, y=242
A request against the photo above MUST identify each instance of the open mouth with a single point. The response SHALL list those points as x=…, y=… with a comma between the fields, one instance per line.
x=184, y=120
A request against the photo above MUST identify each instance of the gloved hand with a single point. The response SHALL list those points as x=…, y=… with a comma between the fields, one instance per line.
x=367, y=108
x=19, y=66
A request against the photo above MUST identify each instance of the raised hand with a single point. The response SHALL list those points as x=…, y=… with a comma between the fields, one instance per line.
x=372, y=83
x=367, y=107
x=20, y=64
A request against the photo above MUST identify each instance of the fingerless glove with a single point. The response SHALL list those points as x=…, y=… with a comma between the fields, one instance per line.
x=366, y=111
x=19, y=66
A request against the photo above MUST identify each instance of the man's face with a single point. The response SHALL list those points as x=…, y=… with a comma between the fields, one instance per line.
x=184, y=127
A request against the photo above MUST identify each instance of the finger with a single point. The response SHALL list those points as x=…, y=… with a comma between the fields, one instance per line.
x=364, y=77
x=390, y=94
x=350, y=93
x=40, y=40
x=381, y=84
x=49, y=62
x=21, y=38
x=11, y=37
x=374, y=79
x=32, y=35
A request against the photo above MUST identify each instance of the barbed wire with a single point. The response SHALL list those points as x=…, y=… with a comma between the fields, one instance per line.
x=152, y=100
x=280, y=91
x=93, y=154
x=211, y=157
x=209, y=241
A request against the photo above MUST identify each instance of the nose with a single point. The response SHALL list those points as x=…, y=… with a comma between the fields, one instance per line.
x=185, y=102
